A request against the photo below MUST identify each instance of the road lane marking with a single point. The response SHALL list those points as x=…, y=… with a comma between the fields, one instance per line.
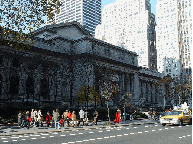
x=187, y=125
x=26, y=136
x=80, y=133
x=33, y=138
x=20, y=136
x=99, y=138
x=118, y=129
x=14, y=140
x=55, y=133
x=139, y=132
x=180, y=137
x=156, y=125
x=3, y=138
x=100, y=131
x=51, y=136
x=23, y=139
x=44, y=134
x=62, y=135
x=91, y=139
x=183, y=136
x=146, y=126
x=119, y=135
x=71, y=142
x=106, y=137
x=14, y=137
x=135, y=127
x=90, y=132
x=153, y=130
x=112, y=136
x=79, y=141
x=146, y=131
x=166, y=128
x=131, y=133
x=126, y=134
x=188, y=135
x=72, y=134
x=108, y=130
x=127, y=128
x=85, y=140
x=5, y=141
x=43, y=137
x=180, y=126
x=160, y=129
x=172, y=127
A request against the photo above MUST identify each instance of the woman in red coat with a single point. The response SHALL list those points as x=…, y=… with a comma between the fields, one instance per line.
x=48, y=118
x=117, y=118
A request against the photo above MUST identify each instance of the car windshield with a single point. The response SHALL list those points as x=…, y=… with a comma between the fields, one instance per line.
x=175, y=113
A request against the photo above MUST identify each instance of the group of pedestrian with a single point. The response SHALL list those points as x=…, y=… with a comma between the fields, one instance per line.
x=35, y=118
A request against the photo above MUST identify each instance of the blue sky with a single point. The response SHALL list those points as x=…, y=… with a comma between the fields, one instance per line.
x=153, y=4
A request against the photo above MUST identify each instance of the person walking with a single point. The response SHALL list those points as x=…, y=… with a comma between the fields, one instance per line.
x=23, y=117
x=65, y=114
x=131, y=115
x=117, y=118
x=119, y=111
x=28, y=119
x=95, y=117
x=74, y=119
x=61, y=121
x=53, y=118
x=19, y=118
x=69, y=118
x=56, y=118
x=149, y=115
x=39, y=117
x=32, y=116
x=35, y=117
x=48, y=119
x=81, y=113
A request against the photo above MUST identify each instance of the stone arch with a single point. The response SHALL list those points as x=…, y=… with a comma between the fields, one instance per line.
x=14, y=84
x=30, y=85
x=44, y=88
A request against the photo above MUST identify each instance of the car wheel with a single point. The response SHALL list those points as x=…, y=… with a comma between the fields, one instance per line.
x=163, y=124
x=190, y=123
x=181, y=122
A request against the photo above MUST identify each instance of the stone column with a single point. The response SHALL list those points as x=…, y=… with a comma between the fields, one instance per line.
x=136, y=87
x=149, y=92
x=22, y=80
x=144, y=89
x=37, y=80
x=121, y=84
x=153, y=92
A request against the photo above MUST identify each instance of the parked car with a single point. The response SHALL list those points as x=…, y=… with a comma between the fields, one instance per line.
x=176, y=117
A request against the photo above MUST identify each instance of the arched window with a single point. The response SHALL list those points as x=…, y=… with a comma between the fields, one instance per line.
x=16, y=63
x=44, y=88
x=30, y=85
x=14, y=84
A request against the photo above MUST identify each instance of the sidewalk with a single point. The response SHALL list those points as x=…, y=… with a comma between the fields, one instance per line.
x=5, y=131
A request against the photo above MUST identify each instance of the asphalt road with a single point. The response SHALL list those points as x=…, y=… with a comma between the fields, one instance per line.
x=145, y=134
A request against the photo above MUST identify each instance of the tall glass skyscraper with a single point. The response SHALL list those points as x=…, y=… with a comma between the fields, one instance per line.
x=86, y=12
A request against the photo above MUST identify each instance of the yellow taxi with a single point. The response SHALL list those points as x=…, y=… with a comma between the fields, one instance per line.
x=176, y=117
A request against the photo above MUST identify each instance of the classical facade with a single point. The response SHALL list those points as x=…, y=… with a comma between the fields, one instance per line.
x=64, y=57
